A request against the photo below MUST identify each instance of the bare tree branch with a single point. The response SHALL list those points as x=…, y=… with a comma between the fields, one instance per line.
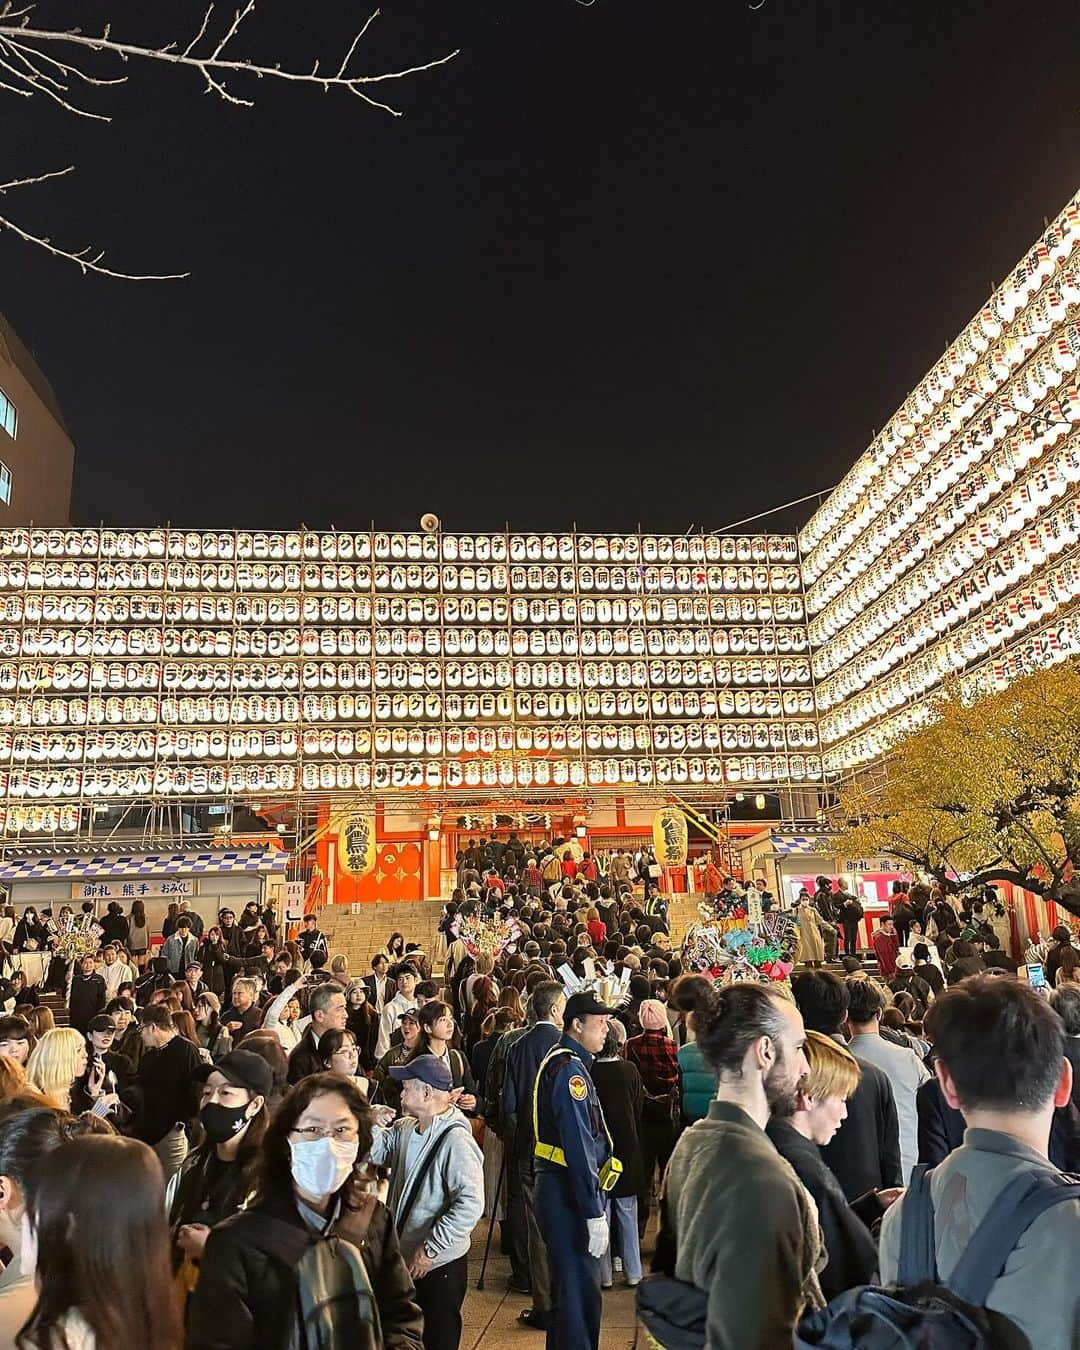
x=28, y=68
x=216, y=64
x=85, y=259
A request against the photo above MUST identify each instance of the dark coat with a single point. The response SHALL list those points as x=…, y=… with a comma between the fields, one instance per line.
x=166, y=1091
x=852, y=1251
x=114, y=928
x=371, y=984
x=86, y=1000
x=521, y=1065
x=622, y=1096
x=304, y=1059
x=941, y=1129
x=864, y=1154
x=250, y=1020
x=246, y=1297
x=214, y=959
x=363, y=1022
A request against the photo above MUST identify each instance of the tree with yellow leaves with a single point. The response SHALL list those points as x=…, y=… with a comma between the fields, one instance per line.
x=989, y=791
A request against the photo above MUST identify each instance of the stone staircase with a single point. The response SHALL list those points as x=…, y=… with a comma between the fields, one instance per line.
x=359, y=936
x=682, y=912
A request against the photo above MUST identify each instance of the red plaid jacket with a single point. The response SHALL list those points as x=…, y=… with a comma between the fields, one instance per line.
x=657, y=1059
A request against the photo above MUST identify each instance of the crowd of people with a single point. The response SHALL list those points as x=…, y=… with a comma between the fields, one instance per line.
x=303, y=1153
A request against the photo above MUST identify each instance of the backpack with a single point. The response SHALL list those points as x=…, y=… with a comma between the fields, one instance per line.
x=921, y=1312
x=335, y=1305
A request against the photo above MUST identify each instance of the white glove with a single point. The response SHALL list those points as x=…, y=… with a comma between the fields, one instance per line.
x=598, y=1236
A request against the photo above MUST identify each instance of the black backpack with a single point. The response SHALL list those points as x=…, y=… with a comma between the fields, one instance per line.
x=921, y=1312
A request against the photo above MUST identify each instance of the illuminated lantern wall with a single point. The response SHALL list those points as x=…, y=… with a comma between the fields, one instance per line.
x=952, y=547
x=178, y=665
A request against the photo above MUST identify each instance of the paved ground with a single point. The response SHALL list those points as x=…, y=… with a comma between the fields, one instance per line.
x=490, y=1317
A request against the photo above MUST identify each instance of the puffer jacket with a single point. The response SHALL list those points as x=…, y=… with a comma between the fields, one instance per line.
x=698, y=1082
x=246, y=1298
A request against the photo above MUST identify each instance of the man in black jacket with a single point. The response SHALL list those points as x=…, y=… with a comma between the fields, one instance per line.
x=165, y=1088
x=87, y=997
x=243, y=1015
x=380, y=988
x=864, y=1155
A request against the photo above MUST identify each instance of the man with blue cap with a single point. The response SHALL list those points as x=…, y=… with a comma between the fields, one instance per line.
x=574, y=1166
x=436, y=1191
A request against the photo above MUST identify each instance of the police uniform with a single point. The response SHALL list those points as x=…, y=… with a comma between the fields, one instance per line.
x=572, y=1149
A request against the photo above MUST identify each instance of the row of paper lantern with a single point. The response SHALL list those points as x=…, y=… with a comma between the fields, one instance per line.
x=242, y=709
x=995, y=628
x=1051, y=251
x=331, y=547
x=973, y=451
x=1020, y=532
x=216, y=779
x=281, y=642
x=1052, y=588
x=1037, y=650
x=108, y=608
x=712, y=577
x=40, y=819
x=1039, y=365
x=73, y=747
x=988, y=481
x=977, y=472
x=275, y=675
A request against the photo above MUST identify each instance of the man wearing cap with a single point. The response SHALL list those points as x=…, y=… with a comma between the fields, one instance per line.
x=572, y=1149
x=436, y=1191
x=119, y=1071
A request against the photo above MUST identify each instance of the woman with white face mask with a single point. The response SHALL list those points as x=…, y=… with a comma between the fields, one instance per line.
x=257, y=1268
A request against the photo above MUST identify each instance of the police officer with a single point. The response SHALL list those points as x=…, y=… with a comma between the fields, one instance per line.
x=573, y=1164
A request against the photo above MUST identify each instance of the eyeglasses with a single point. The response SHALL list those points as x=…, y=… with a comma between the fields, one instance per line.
x=342, y=1133
x=349, y=1051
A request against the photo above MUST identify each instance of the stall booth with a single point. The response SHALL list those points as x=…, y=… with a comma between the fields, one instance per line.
x=207, y=881
x=788, y=861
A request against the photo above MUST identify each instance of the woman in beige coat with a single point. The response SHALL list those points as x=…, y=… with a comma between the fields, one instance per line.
x=811, y=948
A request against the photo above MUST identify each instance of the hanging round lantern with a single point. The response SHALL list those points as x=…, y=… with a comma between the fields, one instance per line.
x=670, y=837
x=356, y=844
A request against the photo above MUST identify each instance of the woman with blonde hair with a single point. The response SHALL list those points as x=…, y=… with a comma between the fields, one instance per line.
x=58, y=1059
x=798, y=1130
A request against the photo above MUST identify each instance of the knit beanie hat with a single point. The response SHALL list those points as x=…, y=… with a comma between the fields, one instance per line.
x=653, y=1016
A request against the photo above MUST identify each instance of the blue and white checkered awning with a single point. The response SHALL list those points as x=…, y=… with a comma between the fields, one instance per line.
x=144, y=864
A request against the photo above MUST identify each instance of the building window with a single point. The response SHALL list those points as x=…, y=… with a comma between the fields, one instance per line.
x=8, y=419
x=5, y=484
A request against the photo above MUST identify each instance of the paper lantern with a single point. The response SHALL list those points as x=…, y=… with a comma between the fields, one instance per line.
x=356, y=844
x=670, y=837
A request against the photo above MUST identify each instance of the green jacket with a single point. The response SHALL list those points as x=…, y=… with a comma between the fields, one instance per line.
x=698, y=1082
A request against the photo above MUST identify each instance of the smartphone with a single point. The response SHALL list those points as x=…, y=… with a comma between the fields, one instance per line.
x=1036, y=976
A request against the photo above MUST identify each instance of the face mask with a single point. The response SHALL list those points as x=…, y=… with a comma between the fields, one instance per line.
x=320, y=1166
x=222, y=1122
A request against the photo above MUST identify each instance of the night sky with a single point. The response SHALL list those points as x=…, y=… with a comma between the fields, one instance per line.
x=656, y=261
